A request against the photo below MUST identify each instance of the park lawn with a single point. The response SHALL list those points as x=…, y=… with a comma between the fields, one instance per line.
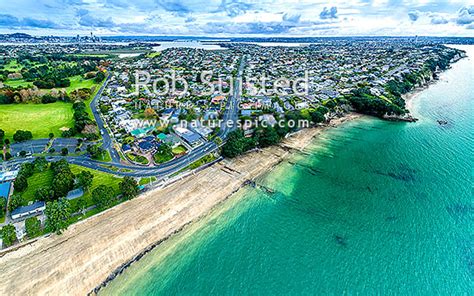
x=161, y=158
x=38, y=180
x=78, y=82
x=18, y=83
x=40, y=119
x=105, y=157
x=100, y=178
x=45, y=178
x=146, y=180
x=89, y=101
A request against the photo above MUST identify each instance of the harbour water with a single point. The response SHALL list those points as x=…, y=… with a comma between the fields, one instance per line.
x=376, y=208
x=187, y=44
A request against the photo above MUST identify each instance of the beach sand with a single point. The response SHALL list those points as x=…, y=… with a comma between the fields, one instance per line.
x=85, y=255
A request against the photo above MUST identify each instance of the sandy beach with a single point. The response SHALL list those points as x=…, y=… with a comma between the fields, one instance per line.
x=85, y=255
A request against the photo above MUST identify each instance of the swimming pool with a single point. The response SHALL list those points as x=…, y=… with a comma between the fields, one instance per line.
x=4, y=189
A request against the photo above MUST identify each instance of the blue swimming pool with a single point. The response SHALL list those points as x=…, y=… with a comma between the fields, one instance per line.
x=4, y=189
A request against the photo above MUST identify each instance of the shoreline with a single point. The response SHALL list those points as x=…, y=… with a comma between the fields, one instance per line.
x=317, y=131
x=412, y=94
x=94, y=251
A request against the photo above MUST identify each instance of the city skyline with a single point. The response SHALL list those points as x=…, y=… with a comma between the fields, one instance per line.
x=238, y=18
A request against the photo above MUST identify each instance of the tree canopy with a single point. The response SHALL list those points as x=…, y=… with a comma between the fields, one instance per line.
x=84, y=179
x=103, y=196
x=57, y=213
x=128, y=187
x=8, y=235
x=21, y=136
x=32, y=227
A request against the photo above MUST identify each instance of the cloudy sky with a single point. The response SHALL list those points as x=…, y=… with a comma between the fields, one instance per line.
x=239, y=17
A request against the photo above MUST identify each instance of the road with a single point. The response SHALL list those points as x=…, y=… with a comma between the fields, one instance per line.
x=160, y=171
x=107, y=142
x=231, y=114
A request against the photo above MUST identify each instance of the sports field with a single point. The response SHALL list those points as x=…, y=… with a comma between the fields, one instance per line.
x=40, y=119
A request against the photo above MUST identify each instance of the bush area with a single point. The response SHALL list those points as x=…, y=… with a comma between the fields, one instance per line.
x=365, y=102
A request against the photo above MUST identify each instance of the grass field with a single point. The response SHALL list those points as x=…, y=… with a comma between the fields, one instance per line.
x=79, y=82
x=40, y=119
x=35, y=182
x=40, y=179
x=146, y=180
x=18, y=83
x=161, y=158
x=100, y=178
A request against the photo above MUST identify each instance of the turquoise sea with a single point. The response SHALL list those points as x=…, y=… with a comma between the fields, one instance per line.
x=378, y=208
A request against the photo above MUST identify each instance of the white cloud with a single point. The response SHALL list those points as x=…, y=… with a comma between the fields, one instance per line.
x=276, y=17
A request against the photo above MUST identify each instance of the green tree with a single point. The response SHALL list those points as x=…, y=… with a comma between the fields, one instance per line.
x=33, y=227
x=84, y=179
x=81, y=205
x=99, y=77
x=57, y=213
x=95, y=151
x=62, y=183
x=234, y=145
x=322, y=109
x=8, y=155
x=21, y=136
x=44, y=193
x=15, y=201
x=64, y=151
x=27, y=169
x=129, y=187
x=60, y=166
x=40, y=163
x=21, y=183
x=316, y=116
x=3, y=205
x=8, y=235
x=103, y=196
x=51, y=136
x=267, y=137
x=164, y=149
x=2, y=134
